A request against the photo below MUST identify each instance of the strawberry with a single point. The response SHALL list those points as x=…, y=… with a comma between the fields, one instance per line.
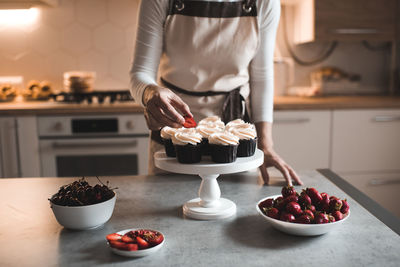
x=132, y=247
x=273, y=213
x=288, y=191
x=294, y=208
x=142, y=243
x=118, y=245
x=345, y=207
x=268, y=203
x=113, y=237
x=189, y=122
x=291, y=198
x=304, y=199
x=154, y=238
x=323, y=205
x=335, y=204
x=309, y=213
x=287, y=217
x=321, y=218
x=127, y=239
x=314, y=195
x=338, y=215
x=304, y=219
x=279, y=203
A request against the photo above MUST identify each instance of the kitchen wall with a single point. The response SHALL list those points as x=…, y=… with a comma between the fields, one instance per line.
x=99, y=35
x=96, y=35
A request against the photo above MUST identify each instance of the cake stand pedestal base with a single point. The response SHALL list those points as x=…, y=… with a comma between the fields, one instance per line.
x=224, y=208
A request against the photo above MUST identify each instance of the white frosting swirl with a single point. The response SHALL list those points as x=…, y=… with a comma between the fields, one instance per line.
x=234, y=123
x=184, y=137
x=167, y=132
x=212, y=121
x=244, y=132
x=223, y=138
x=206, y=130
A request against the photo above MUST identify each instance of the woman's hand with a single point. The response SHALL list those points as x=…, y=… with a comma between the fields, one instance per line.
x=271, y=158
x=163, y=108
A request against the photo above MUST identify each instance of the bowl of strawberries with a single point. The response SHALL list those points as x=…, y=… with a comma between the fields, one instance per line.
x=308, y=213
x=135, y=242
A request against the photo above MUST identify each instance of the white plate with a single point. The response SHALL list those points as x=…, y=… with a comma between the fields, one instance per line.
x=298, y=228
x=139, y=252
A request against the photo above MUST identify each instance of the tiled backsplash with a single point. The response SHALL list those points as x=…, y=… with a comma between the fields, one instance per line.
x=95, y=35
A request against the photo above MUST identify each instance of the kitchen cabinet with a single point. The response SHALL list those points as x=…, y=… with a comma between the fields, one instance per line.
x=302, y=138
x=9, y=166
x=366, y=140
x=343, y=20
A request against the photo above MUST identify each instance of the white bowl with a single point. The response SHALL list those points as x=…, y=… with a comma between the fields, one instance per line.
x=298, y=228
x=140, y=252
x=84, y=217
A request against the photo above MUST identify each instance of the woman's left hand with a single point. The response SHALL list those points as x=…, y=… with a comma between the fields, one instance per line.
x=271, y=158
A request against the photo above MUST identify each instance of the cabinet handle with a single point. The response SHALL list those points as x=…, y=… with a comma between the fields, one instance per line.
x=387, y=118
x=61, y=145
x=375, y=182
x=355, y=31
x=292, y=120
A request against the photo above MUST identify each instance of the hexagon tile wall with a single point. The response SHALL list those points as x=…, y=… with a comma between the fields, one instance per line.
x=95, y=35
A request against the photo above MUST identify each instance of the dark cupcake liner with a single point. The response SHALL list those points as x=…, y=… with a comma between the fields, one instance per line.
x=169, y=148
x=246, y=148
x=205, y=147
x=223, y=154
x=188, y=153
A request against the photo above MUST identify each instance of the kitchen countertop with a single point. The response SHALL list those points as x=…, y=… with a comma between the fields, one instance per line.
x=280, y=103
x=30, y=235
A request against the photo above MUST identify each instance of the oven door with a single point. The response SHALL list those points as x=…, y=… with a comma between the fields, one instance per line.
x=94, y=156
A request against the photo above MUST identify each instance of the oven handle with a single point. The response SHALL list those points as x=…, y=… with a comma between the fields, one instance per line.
x=63, y=145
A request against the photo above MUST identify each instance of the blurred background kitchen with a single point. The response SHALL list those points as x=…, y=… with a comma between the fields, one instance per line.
x=65, y=108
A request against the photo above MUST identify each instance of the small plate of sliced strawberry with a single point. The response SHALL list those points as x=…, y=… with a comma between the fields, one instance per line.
x=135, y=242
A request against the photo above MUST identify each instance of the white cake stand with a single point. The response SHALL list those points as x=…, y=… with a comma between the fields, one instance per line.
x=209, y=205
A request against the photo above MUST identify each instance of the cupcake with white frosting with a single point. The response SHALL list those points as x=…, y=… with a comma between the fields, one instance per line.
x=187, y=146
x=166, y=135
x=206, y=130
x=212, y=121
x=247, y=139
x=223, y=147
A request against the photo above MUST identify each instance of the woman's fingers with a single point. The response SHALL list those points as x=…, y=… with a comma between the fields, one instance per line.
x=264, y=174
x=181, y=106
x=294, y=175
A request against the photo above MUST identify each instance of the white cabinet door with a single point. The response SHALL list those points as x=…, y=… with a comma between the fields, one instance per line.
x=9, y=166
x=366, y=140
x=302, y=138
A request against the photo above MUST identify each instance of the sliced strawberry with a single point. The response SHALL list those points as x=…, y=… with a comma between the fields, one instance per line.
x=119, y=245
x=113, y=237
x=189, y=122
x=154, y=238
x=127, y=239
x=132, y=247
x=142, y=243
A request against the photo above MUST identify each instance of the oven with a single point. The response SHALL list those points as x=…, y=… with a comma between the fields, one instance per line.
x=96, y=145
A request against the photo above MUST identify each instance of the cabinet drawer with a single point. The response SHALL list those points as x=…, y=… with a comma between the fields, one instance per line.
x=366, y=140
x=302, y=138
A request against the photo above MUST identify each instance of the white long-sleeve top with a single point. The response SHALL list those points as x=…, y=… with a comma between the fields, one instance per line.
x=149, y=48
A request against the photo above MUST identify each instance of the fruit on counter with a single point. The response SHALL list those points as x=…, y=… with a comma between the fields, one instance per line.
x=135, y=239
x=189, y=122
x=308, y=207
x=80, y=193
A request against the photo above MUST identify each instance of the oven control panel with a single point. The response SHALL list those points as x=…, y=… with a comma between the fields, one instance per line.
x=97, y=125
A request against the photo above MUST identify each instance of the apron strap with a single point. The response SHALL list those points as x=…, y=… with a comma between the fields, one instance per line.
x=233, y=104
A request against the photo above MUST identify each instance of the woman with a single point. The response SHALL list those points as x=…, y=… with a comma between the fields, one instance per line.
x=210, y=55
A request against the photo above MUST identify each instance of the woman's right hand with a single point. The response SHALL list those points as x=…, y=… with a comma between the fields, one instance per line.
x=163, y=108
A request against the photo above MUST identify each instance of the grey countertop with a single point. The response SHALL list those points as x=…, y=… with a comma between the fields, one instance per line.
x=30, y=235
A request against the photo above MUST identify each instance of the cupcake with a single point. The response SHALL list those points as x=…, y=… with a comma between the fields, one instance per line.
x=187, y=145
x=206, y=130
x=247, y=139
x=213, y=121
x=223, y=147
x=166, y=134
x=234, y=123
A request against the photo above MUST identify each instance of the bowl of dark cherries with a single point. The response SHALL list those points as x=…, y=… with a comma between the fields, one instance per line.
x=80, y=206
